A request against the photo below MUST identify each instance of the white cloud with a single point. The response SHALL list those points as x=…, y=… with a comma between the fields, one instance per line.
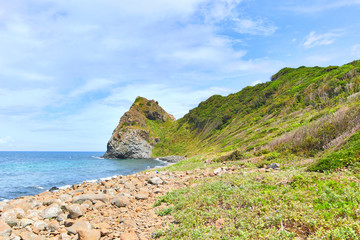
x=26, y=100
x=316, y=6
x=314, y=39
x=256, y=82
x=255, y=27
x=78, y=65
x=91, y=86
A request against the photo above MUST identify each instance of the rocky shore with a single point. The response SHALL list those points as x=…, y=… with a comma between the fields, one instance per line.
x=119, y=208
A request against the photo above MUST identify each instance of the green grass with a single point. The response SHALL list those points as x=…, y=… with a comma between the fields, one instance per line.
x=267, y=206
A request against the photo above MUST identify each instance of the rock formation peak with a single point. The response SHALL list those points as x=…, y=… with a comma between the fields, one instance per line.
x=132, y=138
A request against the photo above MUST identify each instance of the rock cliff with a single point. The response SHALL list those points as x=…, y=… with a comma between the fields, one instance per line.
x=132, y=138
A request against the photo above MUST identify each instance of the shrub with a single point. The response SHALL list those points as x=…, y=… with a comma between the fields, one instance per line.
x=236, y=155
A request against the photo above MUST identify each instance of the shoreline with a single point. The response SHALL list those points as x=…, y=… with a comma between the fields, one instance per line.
x=116, y=208
x=98, y=180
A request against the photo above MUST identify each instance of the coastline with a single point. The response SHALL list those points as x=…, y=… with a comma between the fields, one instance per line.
x=28, y=187
x=116, y=207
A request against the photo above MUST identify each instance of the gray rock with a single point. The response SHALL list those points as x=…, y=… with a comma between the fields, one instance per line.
x=79, y=225
x=120, y=201
x=156, y=181
x=273, y=166
x=25, y=222
x=130, y=186
x=110, y=191
x=11, y=216
x=5, y=229
x=141, y=196
x=75, y=211
x=40, y=225
x=217, y=171
x=31, y=236
x=51, y=211
x=50, y=201
x=92, y=197
x=132, y=144
x=65, y=198
x=33, y=214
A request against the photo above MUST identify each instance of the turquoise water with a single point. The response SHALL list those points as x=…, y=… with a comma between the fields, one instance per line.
x=29, y=173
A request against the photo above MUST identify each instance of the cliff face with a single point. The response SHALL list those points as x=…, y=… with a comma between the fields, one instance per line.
x=132, y=137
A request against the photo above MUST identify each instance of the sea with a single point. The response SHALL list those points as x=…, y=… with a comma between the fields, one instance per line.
x=30, y=173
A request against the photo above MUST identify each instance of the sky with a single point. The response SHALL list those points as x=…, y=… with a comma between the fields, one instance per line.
x=70, y=69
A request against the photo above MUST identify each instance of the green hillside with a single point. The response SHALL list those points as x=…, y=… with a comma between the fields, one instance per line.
x=303, y=112
x=306, y=119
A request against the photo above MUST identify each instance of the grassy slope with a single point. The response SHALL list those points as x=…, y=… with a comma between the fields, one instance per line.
x=302, y=116
x=253, y=118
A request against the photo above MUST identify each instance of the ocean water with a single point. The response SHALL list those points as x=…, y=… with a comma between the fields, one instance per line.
x=30, y=173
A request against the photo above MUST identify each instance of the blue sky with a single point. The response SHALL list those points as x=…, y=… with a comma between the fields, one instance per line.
x=69, y=69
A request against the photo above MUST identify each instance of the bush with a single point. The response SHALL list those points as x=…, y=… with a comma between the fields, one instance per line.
x=236, y=155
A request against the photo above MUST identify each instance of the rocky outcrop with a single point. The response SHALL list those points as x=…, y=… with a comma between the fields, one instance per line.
x=133, y=138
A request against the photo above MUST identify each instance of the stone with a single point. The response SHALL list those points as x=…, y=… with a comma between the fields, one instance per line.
x=273, y=166
x=75, y=211
x=89, y=234
x=99, y=205
x=120, y=201
x=129, y=236
x=142, y=195
x=53, y=226
x=130, y=186
x=217, y=171
x=40, y=225
x=10, y=217
x=50, y=201
x=25, y=222
x=31, y=236
x=54, y=189
x=65, y=198
x=92, y=197
x=79, y=225
x=156, y=181
x=51, y=211
x=5, y=229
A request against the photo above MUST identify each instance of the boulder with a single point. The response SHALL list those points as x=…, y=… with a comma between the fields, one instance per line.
x=156, y=181
x=65, y=198
x=25, y=222
x=52, y=211
x=142, y=195
x=40, y=226
x=75, y=211
x=5, y=229
x=79, y=225
x=273, y=166
x=31, y=236
x=129, y=236
x=89, y=234
x=92, y=197
x=120, y=201
x=11, y=216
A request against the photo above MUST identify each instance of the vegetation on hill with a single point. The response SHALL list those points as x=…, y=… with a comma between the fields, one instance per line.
x=308, y=120
x=302, y=112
